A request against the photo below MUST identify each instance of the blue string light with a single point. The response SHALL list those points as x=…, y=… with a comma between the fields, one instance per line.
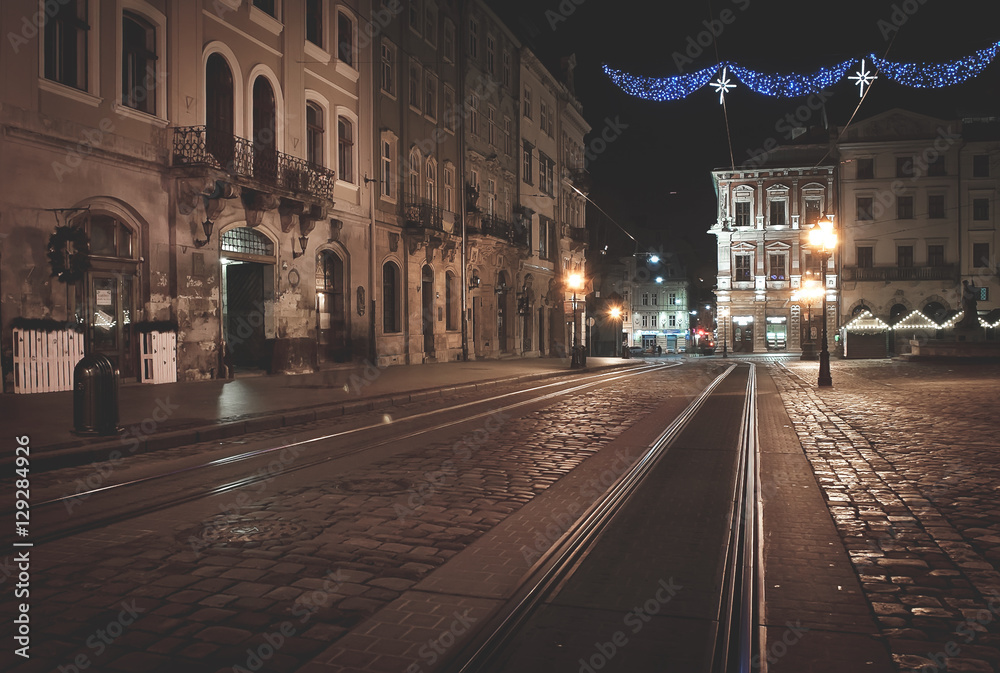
x=919, y=75
x=937, y=75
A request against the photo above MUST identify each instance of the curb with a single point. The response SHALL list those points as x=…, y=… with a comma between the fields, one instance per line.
x=113, y=450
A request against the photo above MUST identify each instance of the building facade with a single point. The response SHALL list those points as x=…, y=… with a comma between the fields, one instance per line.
x=654, y=295
x=763, y=256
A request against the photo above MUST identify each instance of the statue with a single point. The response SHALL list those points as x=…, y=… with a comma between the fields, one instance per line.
x=970, y=298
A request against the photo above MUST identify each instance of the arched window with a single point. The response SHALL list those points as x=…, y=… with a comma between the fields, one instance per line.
x=345, y=38
x=265, y=155
x=345, y=149
x=413, y=179
x=138, y=63
x=390, y=299
x=315, y=128
x=897, y=313
x=935, y=311
x=219, y=109
x=430, y=192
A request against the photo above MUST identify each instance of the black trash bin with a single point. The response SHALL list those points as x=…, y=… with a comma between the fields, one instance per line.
x=95, y=396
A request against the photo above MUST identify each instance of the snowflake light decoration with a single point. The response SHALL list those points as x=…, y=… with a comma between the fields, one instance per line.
x=863, y=78
x=723, y=85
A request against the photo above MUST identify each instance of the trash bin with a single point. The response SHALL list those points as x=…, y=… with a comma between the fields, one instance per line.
x=95, y=396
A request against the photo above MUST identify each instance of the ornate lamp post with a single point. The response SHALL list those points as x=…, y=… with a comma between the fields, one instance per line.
x=615, y=313
x=575, y=283
x=810, y=291
x=823, y=240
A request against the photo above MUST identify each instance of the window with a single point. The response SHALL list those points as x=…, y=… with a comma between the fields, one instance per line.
x=491, y=125
x=266, y=6
x=980, y=209
x=448, y=41
x=742, y=213
x=386, y=177
x=645, y=320
x=936, y=167
x=981, y=166
x=866, y=257
x=506, y=68
x=904, y=256
x=546, y=177
x=491, y=196
x=935, y=255
x=138, y=63
x=865, y=208
x=645, y=299
x=474, y=114
x=672, y=298
x=546, y=238
x=413, y=176
x=543, y=116
x=451, y=303
x=777, y=213
x=430, y=182
x=109, y=237
x=430, y=23
x=449, y=188
x=672, y=320
x=219, y=109
x=904, y=167
x=66, y=33
x=345, y=39
x=526, y=169
x=812, y=211
x=430, y=95
x=866, y=169
x=935, y=206
x=904, y=207
x=980, y=255
x=473, y=39
x=741, y=268
x=653, y=299
x=414, y=16
x=390, y=298
x=388, y=69
x=314, y=22
x=345, y=150
x=414, y=85
x=777, y=267
x=314, y=134
x=527, y=103
x=491, y=55
x=508, y=137
x=448, y=108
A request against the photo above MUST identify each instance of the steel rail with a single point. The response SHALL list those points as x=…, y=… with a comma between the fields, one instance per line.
x=562, y=559
x=179, y=499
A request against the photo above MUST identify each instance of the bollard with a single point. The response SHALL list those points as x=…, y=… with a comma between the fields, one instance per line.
x=95, y=397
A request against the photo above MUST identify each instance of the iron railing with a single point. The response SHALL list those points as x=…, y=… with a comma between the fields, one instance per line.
x=423, y=214
x=201, y=146
x=888, y=273
x=491, y=225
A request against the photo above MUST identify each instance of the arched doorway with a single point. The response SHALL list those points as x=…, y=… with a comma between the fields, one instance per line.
x=265, y=154
x=897, y=313
x=427, y=308
x=331, y=332
x=247, y=258
x=742, y=334
x=936, y=311
x=219, y=124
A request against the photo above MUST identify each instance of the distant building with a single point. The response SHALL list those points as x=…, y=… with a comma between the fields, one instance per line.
x=654, y=295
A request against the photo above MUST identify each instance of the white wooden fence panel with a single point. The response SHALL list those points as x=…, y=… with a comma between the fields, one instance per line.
x=159, y=357
x=44, y=361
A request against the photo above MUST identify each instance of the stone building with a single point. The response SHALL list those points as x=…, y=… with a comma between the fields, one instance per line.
x=654, y=292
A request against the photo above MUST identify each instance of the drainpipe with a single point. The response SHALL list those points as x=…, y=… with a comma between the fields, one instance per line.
x=460, y=189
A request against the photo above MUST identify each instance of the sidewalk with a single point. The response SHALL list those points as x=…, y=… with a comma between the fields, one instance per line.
x=174, y=414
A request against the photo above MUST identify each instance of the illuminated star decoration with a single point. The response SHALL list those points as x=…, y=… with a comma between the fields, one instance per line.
x=723, y=85
x=863, y=78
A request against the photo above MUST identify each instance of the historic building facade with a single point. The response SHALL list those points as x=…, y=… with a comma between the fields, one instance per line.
x=654, y=294
x=763, y=256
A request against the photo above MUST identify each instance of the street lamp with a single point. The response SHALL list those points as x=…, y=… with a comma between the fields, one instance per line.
x=823, y=240
x=575, y=283
x=615, y=313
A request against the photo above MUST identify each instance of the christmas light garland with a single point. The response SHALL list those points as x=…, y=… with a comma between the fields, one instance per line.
x=916, y=75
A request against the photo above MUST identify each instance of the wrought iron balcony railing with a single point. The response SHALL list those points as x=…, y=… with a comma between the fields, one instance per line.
x=241, y=158
x=491, y=225
x=423, y=214
x=889, y=273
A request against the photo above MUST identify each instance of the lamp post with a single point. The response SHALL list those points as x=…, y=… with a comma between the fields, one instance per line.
x=809, y=292
x=724, y=314
x=575, y=283
x=823, y=240
x=615, y=313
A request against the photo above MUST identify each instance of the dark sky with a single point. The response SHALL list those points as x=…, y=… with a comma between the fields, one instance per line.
x=654, y=176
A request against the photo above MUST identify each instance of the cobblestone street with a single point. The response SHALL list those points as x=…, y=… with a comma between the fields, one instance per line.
x=907, y=457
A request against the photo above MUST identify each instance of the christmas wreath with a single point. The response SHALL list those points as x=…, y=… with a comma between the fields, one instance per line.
x=69, y=253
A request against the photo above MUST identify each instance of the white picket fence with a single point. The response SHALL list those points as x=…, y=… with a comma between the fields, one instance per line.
x=44, y=361
x=159, y=357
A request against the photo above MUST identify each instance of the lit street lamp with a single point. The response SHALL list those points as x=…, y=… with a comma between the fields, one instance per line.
x=823, y=241
x=575, y=283
x=615, y=313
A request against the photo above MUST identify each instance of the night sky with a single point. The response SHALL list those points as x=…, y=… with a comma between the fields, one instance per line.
x=654, y=178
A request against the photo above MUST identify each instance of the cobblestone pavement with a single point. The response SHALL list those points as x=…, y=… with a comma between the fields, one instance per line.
x=908, y=459
x=269, y=580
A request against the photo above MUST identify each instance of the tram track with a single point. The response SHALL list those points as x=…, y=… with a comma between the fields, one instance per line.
x=507, y=639
x=251, y=459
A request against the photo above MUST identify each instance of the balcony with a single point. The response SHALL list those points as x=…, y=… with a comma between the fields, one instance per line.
x=423, y=214
x=579, y=238
x=249, y=165
x=891, y=273
x=491, y=225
